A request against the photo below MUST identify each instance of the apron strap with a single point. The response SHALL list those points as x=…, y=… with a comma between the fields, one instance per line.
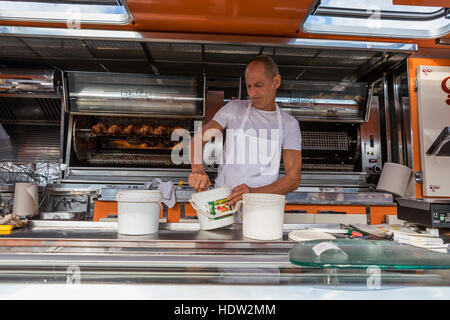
x=245, y=117
x=280, y=126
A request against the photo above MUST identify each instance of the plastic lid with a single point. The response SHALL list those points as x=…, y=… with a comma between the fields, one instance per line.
x=263, y=197
x=306, y=235
x=139, y=195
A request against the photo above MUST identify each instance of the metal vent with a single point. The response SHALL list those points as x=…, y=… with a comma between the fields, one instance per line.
x=51, y=109
x=115, y=49
x=5, y=112
x=327, y=167
x=130, y=159
x=188, y=52
x=33, y=110
x=32, y=143
x=15, y=47
x=324, y=140
x=58, y=48
x=296, y=62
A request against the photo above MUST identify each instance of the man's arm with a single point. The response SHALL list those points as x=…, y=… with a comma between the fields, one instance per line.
x=292, y=161
x=198, y=179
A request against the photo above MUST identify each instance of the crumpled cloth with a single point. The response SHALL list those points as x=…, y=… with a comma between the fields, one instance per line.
x=167, y=190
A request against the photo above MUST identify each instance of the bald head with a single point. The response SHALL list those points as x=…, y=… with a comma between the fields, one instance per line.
x=262, y=80
x=270, y=67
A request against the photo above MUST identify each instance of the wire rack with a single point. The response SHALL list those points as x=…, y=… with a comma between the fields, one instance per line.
x=324, y=140
x=130, y=159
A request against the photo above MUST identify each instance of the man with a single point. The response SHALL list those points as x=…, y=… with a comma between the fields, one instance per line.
x=260, y=122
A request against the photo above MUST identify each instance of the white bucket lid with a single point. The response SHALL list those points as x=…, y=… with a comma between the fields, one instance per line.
x=139, y=196
x=264, y=197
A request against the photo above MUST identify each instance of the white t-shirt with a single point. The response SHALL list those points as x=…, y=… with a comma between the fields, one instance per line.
x=231, y=114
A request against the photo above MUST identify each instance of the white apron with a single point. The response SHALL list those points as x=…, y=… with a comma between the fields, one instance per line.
x=264, y=165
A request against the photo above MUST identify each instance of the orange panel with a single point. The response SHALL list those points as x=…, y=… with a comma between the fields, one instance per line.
x=413, y=63
x=103, y=209
x=189, y=211
x=422, y=3
x=377, y=214
x=173, y=214
x=264, y=17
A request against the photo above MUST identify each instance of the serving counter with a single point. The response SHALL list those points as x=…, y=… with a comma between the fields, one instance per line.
x=82, y=259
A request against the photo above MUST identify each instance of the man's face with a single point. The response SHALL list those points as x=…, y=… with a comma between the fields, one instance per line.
x=260, y=87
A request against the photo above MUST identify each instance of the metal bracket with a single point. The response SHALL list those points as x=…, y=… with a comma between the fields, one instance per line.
x=419, y=176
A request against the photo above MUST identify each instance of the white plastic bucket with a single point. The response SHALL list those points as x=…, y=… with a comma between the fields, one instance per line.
x=138, y=211
x=263, y=216
x=207, y=220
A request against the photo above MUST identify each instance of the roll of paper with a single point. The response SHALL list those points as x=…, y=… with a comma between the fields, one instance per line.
x=25, y=199
x=395, y=178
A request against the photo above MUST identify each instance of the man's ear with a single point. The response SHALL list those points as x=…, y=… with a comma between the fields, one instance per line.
x=277, y=80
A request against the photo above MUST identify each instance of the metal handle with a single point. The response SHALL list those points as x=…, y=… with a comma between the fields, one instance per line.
x=238, y=208
x=240, y=203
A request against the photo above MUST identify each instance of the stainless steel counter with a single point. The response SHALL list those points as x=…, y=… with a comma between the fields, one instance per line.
x=304, y=195
x=91, y=260
x=175, y=245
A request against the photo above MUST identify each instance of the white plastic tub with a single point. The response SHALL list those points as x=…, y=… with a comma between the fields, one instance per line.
x=138, y=211
x=263, y=216
x=207, y=220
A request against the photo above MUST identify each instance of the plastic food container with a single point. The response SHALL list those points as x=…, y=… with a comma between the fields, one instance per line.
x=213, y=210
x=138, y=211
x=262, y=215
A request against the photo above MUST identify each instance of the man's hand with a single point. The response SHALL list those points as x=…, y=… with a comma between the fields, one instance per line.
x=199, y=181
x=237, y=193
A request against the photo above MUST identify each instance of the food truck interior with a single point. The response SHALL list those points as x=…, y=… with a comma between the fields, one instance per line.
x=90, y=100
x=340, y=96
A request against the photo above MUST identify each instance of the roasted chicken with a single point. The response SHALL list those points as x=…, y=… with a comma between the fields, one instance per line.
x=130, y=130
x=145, y=131
x=115, y=130
x=99, y=128
x=161, y=131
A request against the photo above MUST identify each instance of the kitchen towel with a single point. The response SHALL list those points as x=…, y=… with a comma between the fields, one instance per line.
x=25, y=199
x=397, y=179
x=167, y=189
